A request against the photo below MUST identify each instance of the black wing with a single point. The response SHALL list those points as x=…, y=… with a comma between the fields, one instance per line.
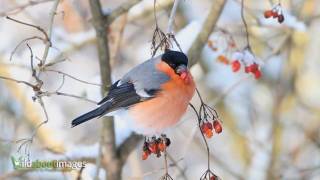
x=121, y=96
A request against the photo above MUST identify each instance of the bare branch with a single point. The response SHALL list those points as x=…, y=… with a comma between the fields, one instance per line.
x=161, y=40
x=23, y=41
x=70, y=95
x=172, y=16
x=107, y=138
x=80, y=172
x=123, y=8
x=160, y=169
x=33, y=71
x=17, y=81
x=72, y=77
x=62, y=56
x=57, y=61
x=128, y=145
x=34, y=26
x=48, y=44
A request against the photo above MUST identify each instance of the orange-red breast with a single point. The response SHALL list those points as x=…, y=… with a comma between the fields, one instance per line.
x=155, y=94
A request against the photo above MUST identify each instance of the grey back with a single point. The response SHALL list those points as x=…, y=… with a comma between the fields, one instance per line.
x=146, y=77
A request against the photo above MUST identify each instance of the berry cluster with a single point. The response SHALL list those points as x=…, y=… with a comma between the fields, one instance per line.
x=155, y=146
x=207, y=128
x=248, y=60
x=275, y=12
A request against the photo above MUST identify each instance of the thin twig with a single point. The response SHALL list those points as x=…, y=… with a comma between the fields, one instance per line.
x=157, y=170
x=32, y=25
x=72, y=77
x=204, y=139
x=172, y=17
x=58, y=93
x=123, y=8
x=80, y=173
x=23, y=41
x=159, y=38
x=17, y=81
x=165, y=161
x=245, y=25
x=52, y=14
x=33, y=71
x=57, y=61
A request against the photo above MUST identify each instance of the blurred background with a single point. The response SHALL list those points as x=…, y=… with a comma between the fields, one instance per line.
x=270, y=125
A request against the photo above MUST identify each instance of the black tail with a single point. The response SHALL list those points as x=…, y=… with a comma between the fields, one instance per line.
x=90, y=115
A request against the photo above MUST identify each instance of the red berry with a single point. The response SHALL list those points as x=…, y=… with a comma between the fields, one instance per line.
x=235, y=65
x=145, y=155
x=280, y=18
x=217, y=126
x=209, y=133
x=153, y=148
x=161, y=146
x=257, y=74
x=247, y=69
x=253, y=67
x=214, y=178
x=204, y=127
x=209, y=125
x=268, y=13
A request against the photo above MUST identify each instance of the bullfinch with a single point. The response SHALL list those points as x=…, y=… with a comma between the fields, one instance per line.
x=154, y=94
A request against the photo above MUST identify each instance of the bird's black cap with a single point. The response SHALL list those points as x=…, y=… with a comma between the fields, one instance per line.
x=174, y=58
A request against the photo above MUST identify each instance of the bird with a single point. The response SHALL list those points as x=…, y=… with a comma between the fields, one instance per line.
x=154, y=95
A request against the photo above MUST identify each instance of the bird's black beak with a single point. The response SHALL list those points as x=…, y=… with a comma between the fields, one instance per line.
x=181, y=69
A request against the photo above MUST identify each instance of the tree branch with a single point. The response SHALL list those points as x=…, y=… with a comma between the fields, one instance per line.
x=123, y=8
x=107, y=142
x=73, y=77
x=48, y=44
x=194, y=52
x=172, y=16
x=17, y=81
x=32, y=25
x=127, y=146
